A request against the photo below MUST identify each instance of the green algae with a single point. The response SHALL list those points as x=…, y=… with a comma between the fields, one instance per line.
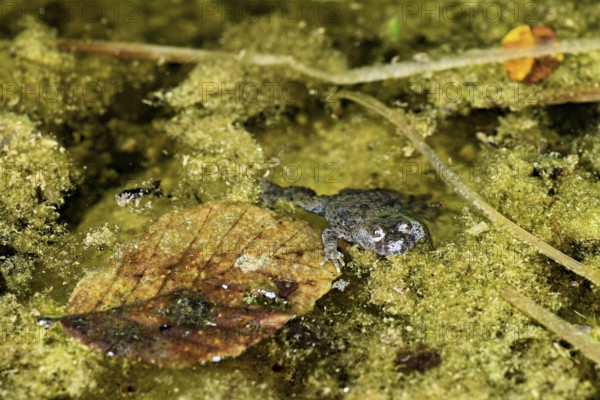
x=210, y=141
x=42, y=82
x=37, y=174
x=539, y=172
x=38, y=363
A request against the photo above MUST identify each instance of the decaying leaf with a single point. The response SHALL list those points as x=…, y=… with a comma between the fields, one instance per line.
x=200, y=284
x=530, y=70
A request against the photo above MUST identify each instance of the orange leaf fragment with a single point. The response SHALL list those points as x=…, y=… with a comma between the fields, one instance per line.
x=530, y=70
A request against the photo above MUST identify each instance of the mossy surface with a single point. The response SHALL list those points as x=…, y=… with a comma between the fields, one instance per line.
x=427, y=324
x=37, y=175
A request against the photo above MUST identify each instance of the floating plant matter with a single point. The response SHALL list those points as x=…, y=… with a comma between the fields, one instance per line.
x=200, y=284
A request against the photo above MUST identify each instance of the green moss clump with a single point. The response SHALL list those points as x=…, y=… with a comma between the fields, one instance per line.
x=42, y=364
x=589, y=146
x=39, y=80
x=37, y=174
x=218, y=160
x=535, y=167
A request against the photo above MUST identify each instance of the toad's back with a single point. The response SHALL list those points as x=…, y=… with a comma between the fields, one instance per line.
x=375, y=219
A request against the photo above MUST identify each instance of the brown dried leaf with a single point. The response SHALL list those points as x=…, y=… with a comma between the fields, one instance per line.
x=200, y=284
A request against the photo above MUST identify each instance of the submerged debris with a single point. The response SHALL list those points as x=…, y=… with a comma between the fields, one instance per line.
x=422, y=358
x=200, y=284
x=135, y=195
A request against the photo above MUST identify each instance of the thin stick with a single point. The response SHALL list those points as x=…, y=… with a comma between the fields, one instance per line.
x=471, y=57
x=142, y=51
x=572, y=95
x=397, y=118
x=350, y=77
x=584, y=343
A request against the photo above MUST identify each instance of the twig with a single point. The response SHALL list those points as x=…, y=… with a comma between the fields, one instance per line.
x=584, y=343
x=575, y=94
x=142, y=51
x=350, y=77
x=398, y=118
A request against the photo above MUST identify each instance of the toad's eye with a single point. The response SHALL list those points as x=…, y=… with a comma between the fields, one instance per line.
x=376, y=233
x=405, y=227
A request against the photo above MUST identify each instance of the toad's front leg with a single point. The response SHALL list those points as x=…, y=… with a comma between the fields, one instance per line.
x=330, y=241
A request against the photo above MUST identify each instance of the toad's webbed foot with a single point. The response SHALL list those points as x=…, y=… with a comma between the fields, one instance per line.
x=330, y=239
